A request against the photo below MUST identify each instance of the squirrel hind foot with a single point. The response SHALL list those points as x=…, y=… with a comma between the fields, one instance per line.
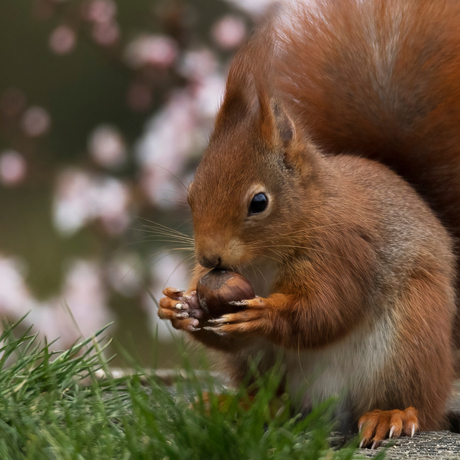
x=378, y=425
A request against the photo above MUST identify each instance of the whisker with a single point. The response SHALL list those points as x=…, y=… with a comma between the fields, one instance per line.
x=176, y=268
x=306, y=248
x=166, y=243
x=185, y=223
x=254, y=270
x=164, y=227
x=260, y=271
x=168, y=235
x=172, y=202
x=164, y=169
x=165, y=239
x=280, y=260
x=169, y=191
x=163, y=257
x=164, y=250
x=163, y=231
x=303, y=230
x=163, y=247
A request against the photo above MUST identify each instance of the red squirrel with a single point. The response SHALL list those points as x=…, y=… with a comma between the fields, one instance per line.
x=354, y=273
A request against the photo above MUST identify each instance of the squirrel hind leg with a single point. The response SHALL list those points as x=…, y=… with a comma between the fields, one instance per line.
x=420, y=370
x=378, y=425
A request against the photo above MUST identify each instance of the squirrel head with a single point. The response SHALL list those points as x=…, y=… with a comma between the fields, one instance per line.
x=248, y=194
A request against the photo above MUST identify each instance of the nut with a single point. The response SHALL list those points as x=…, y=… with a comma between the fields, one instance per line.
x=218, y=288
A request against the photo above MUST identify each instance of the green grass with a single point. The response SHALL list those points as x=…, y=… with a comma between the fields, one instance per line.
x=53, y=407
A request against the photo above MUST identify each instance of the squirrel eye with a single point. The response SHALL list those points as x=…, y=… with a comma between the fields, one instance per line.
x=258, y=204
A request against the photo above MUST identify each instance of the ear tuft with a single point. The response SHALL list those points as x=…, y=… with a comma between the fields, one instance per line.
x=274, y=123
x=284, y=124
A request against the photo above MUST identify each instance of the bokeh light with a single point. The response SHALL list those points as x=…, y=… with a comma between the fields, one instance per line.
x=105, y=109
x=62, y=40
x=13, y=168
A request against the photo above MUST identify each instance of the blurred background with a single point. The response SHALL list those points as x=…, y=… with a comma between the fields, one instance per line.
x=105, y=109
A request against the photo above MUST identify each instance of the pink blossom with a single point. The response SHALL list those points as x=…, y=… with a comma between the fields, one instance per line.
x=196, y=65
x=123, y=274
x=107, y=146
x=36, y=121
x=229, y=32
x=85, y=295
x=62, y=40
x=15, y=297
x=110, y=199
x=79, y=310
x=208, y=95
x=163, y=150
x=81, y=198
x=169, y=138
x=254, y=7
x=70, y=210
x=162, y=188
x=106, y=33
x=179, y=131
x=13, y=167
x=101, y=11
x=154, y=50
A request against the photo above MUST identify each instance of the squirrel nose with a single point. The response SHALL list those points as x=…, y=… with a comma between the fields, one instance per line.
x=211, y=262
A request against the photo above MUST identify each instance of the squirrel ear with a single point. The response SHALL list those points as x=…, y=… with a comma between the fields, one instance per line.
x=239, y=96
x=274, y=123
x=284, y=124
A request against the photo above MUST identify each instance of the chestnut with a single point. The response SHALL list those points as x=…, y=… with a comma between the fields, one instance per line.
x=218, y=288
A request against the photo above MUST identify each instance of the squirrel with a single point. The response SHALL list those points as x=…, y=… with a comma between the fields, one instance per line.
x=331, y=183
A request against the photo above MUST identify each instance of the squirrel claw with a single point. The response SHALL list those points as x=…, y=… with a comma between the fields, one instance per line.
x=173, y=293
x=375, y=444
x=181, y=309
x=239, y=303
x=378, y=425
x=256, y=302
x=215, y=330
x=182, y=315
x=219, y=320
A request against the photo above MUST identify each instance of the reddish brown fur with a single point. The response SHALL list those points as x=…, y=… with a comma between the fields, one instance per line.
x=403, y=111
x=357, y=252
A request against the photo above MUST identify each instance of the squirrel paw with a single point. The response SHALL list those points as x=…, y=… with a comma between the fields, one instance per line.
x=251, y=320
x=182, y=309
x=378, y=425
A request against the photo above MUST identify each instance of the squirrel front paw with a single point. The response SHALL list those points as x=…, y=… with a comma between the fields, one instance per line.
x=252, y=320
x=378, y=425
x=182, y=309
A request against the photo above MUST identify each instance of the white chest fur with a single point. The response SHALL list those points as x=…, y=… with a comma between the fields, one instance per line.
x=350, y=367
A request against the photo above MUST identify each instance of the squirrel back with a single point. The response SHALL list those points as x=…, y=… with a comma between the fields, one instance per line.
x=379, y=79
